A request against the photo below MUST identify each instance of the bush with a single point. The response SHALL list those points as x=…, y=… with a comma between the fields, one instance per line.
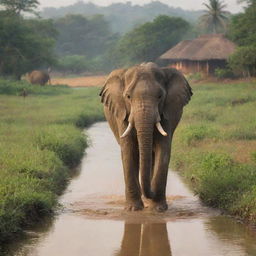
x=222, y=181
x=243, y=61
x=222, y=73
x=11, y=87
x=195, y=76
x=193, y=133
x=65, y=140
x=73, y=64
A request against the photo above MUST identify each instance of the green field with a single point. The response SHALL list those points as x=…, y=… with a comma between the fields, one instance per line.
x=40, y=142
x=215, y=147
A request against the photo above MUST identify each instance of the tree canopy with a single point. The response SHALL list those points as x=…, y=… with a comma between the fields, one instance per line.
x=148, y=41
x=79, y=35
x=242, y=31
x=18, y=6
x=24, y=44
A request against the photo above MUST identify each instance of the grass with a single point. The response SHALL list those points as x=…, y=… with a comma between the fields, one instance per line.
x=215, y=147
x=40, y=143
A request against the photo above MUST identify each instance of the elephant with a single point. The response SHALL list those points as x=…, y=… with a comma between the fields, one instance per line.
x=39, y=77
x=148, y=239
x=143, y=105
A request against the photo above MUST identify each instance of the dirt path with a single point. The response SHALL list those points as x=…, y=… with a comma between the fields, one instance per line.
x=86, y=81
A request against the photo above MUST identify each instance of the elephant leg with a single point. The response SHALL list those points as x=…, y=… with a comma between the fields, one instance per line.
x=159, y=180
x=130, y=158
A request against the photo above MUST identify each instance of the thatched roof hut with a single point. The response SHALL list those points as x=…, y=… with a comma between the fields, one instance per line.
x=202, y=54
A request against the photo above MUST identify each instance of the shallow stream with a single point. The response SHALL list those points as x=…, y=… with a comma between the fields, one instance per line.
x=92, y=221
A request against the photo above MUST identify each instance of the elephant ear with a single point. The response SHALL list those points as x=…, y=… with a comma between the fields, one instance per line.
x=112, y=94
x=178, y=95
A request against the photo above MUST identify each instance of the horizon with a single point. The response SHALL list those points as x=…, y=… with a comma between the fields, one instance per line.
x=232, y=5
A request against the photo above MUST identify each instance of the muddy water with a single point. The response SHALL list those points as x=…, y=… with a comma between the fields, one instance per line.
x=92, y=221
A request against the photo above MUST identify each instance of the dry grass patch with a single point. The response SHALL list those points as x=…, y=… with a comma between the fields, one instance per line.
x=86, y=81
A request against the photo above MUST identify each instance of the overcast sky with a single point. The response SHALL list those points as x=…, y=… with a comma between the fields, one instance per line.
x=185, y=4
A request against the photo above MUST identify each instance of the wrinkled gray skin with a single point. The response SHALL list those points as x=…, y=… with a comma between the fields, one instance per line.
x=142, y=96
x=39, y=77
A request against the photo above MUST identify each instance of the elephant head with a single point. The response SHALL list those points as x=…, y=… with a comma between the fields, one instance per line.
x=145, y=97
x=39, y=77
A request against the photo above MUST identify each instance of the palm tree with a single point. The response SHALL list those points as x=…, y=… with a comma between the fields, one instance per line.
x=215, y=18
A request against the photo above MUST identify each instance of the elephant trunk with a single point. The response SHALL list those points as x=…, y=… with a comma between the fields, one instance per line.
x=144, y=125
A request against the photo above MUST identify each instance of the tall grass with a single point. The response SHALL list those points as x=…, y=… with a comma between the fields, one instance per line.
x=214, y=146
x=40, y=142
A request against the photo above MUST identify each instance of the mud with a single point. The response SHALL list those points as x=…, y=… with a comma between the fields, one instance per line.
x=92, y=221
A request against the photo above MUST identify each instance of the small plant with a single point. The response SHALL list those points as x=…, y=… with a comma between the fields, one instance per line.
x=193, y=133
x=254, y=156
x=195, y=76
x=222, y=73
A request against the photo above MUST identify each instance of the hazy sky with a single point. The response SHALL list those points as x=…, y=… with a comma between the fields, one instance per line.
x=185, y=4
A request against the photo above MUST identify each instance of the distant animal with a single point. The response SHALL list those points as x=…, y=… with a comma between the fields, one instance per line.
x=39, y=77
x=143, y=106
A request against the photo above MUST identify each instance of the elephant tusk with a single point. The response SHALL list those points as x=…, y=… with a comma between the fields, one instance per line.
x=160, y=129
x=127, y=131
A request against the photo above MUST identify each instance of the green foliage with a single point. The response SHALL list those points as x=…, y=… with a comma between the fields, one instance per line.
x=242, y=31
x=148, y=41
x=73, y=64
x=79, y=35
x=215, y=18
x=193, y=133
x=66, y=141
x=25, y=45
x=122, y=17
x=12, y=87
x=18, y=6
x=195, y=76
x=222, y=182
x=254, y=156
x=243, y=61
x=222, y=73
x=220, y=120
x=39, y=142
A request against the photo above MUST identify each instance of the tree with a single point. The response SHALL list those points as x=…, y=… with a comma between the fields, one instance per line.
x=243, y=61
x=18, y=6
x=24, y=45
x=79, y=35
x=148, y=41
x=215, y=18
x=242, y=31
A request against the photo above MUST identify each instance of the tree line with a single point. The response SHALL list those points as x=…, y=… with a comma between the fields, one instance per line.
x=75, y=43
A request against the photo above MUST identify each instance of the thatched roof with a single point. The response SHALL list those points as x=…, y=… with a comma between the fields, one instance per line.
x=205, y=47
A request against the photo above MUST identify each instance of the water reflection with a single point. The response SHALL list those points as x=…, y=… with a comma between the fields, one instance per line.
x=236, y=234
x=150, y=239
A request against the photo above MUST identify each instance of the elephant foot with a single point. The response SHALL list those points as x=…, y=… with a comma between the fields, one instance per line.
x=134, y=206
x=158, y=206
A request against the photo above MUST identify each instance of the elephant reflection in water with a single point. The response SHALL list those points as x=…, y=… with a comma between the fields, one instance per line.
x=145, y=240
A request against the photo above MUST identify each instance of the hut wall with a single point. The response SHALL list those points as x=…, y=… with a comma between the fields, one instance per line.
x=205, y=67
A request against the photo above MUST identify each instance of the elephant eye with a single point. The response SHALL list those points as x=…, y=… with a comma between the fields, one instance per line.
x=160, y=96
x=128, y=96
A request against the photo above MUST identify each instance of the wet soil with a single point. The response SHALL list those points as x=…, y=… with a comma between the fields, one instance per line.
x=92, y=222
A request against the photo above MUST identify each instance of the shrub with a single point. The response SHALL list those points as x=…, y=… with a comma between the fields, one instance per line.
x=193, y=133
x=223, y=73
x=195, y=76
x=243, y=61
x=65, y=140
x=73, y=64
x=11, y=87
x=222, y=181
